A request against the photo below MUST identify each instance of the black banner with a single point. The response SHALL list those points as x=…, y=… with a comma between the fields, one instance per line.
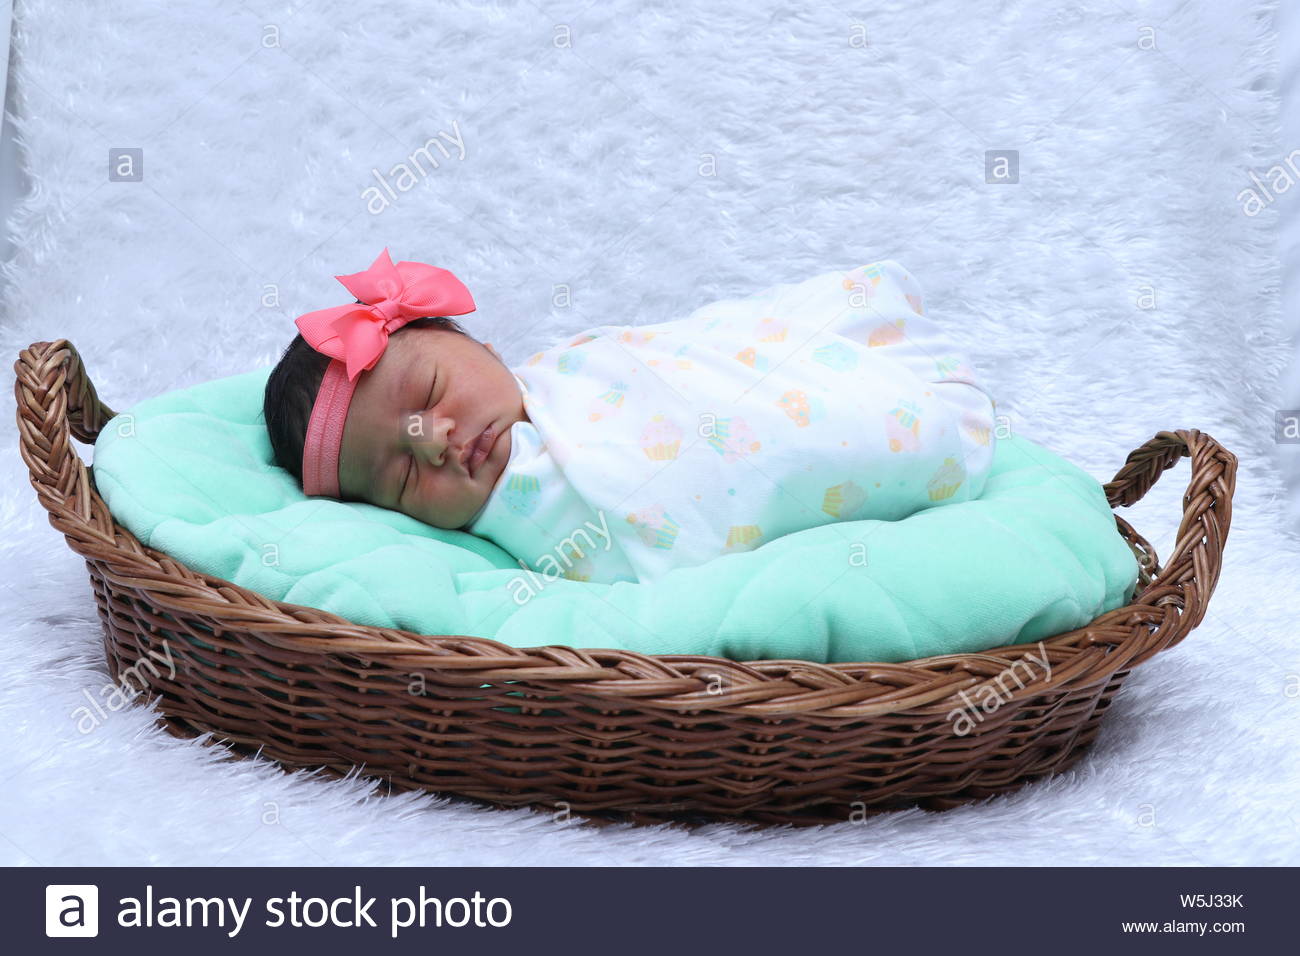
x=662, y=910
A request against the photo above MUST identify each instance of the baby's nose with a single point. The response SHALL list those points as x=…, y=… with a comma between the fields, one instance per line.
x=431, y=438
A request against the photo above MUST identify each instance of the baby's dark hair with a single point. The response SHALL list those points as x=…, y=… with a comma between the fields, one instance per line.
x=291, y=392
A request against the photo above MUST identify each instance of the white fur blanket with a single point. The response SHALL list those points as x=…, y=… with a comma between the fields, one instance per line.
x=626, y=163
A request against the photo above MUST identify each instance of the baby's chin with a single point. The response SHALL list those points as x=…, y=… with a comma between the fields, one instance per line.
x=483, y=486
x=490, y=474
x=480, y=488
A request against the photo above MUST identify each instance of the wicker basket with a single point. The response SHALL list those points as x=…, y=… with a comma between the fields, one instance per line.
x=596, y=732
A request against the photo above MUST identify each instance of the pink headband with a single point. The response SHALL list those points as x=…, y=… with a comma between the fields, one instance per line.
x=355, y=336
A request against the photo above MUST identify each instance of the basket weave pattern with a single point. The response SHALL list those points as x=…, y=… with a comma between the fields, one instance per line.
x=591, y=731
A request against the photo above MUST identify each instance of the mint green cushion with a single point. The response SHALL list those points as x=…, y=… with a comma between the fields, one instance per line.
x=189, y=473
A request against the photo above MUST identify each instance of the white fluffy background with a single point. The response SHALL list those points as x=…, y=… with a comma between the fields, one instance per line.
x=581, y=168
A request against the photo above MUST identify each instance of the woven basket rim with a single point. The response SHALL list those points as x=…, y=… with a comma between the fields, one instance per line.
x=56, y=399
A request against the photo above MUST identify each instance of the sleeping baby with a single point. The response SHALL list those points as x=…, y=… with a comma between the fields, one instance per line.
x=627, y=451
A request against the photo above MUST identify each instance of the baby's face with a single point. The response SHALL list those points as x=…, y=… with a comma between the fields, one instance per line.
x=428, y=429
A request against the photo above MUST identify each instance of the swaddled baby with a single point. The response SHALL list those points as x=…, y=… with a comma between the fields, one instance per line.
x=627, y=451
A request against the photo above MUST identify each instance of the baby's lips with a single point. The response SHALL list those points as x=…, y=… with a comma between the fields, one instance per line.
x=479, y=450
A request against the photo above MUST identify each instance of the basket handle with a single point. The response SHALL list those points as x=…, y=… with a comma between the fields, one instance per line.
x=1192, y=570
x=56, y=400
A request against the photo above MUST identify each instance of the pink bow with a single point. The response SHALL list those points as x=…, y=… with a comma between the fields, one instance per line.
x=392, y=295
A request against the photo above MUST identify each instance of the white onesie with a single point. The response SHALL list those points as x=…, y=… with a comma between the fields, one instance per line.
x=662, y=446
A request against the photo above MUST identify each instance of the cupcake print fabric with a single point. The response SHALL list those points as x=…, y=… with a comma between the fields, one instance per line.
x=833, y=399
